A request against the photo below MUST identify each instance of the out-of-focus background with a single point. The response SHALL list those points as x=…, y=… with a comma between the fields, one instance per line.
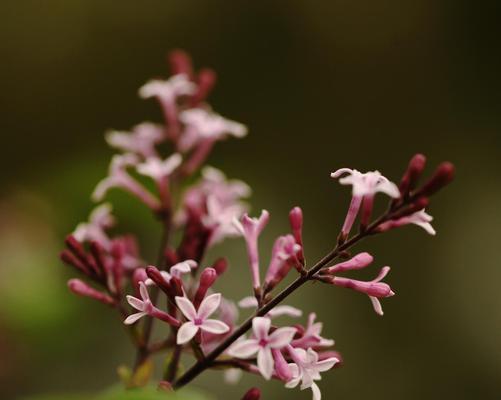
x=321, y=85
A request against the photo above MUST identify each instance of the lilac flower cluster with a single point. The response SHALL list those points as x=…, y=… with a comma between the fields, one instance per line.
x=202, y=322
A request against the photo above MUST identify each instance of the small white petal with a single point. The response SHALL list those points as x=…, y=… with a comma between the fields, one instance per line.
x=316, y=391
x=248, y=302
x=261, y=327
x=135, y=302
x=186, y=332
x=285, y=310
x=186, y=307
x=265, y=362
x=133, y=318
x=377, y=305
x=326, y=364
x=209, y=305
x=244, y=348
x=281, y=337
x=214, y=326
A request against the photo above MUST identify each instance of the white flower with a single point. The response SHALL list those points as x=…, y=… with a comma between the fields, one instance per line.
x=168, y=90
x=198, y=320
x=144, y=306
x=262, y=343
x=117, y=175
x=251, y=302
x=366, y=184
x=141, y=140
x=202, y=124
x=307, y=368
x=100, y=219
x=158, y=169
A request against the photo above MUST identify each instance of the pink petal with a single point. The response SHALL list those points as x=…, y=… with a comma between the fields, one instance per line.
x=384, y=271
x=187, y=331
x=133, y=318
x=209, y=305
x=144, y=291
x=326, y=364
x=281, y=337
x=340, y=172
x=136, y=303
x=244, y=348
x=214, y=326
x=265, y=362
x=316, y=391
x=285, y=310
x=377, y=305
x=261, y=327
x=186, y=307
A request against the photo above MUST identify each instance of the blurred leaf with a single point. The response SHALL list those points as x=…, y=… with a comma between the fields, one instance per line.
x=142, y=375
x=118, y=393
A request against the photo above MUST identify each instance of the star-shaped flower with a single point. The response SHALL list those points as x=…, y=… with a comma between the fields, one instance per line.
x=199, y=319
x=262, y=343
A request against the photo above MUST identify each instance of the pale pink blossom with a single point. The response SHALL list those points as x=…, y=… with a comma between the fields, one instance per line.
x=284, y=253
x=262, y=343
x=375, y=289
x=119, y=177
x=146, y=307
x=198, y=319
x=311, y=336
x=140, y=141
x=204, y=125
x=277, y=311
x=306, y=369
x=100, y=220
x=420, y=218
x=364, y=188
x=158, y=169
x=167, y=91
x=251, y=228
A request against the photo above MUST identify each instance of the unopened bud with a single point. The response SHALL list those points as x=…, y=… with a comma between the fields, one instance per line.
x=412, y=174
x=206, y=81
x=252, y=394
x=220, y=265
x=180, y=63
x=207, y=279
x=82, y=289
x=444, y=174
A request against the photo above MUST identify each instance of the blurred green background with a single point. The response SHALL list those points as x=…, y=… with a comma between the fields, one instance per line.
x=321, y=85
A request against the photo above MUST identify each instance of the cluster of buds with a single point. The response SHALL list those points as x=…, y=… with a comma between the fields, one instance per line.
x=202, y=322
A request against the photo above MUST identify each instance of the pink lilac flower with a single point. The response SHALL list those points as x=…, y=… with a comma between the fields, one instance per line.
x=306, y=369
x=251, y=228
x=278, y=311
x=311, y=336
x=358, y=261
x=420, y=218
x=375, y=289
x=140, y=141
x=158, y=169
x=284, y=256
x=120, y=178
x=365, y=186
x=100, y=219
x=262, y=343
x=198, y=319
x=203, y=125
x=146, y=307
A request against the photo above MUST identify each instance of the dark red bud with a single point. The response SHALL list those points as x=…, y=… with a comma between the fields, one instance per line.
x=69, y=258
x=155, y=275
x=180, y=63
x=220, y=265
x=412, y=174
x=76, y=248
x=177, y=286
x=206, y=81
x=207, y=279
x=252, y=394
x=444, y=174
x=82, y=289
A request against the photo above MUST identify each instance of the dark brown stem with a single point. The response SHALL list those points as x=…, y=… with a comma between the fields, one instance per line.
x=208, y=361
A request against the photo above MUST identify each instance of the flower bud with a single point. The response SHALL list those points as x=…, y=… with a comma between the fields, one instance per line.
x=69, y=258
x=220, y=265
x=281, y=366
x=207, y=279
x=206, y=81
x=444, y=174
x=82, y=289
x=180, y=63
x=412, y=174
x=359, y=261
x=155, y=275
x=252, y=394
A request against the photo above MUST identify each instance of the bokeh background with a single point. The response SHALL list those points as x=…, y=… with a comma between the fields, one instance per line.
x=321, y=85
